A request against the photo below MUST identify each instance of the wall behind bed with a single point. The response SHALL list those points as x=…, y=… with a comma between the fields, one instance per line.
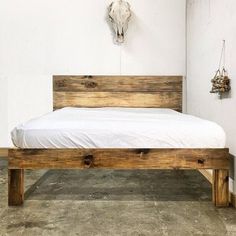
x=209, y=22
x=42, y=38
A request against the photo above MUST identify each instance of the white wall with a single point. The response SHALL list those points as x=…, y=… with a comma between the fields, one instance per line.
x=42, y=38
x=209, y=22
x=3, y=112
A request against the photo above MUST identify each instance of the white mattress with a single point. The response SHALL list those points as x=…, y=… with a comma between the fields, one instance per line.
x=118, y=128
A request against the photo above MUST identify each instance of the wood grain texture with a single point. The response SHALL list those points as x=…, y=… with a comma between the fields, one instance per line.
x=3, y=152
x=118, y=91
x=119, y=158
x=209, y=177
x=118, y=99
x=220, y=188
x=15, y=187
x=233, y=200
x=117, y=83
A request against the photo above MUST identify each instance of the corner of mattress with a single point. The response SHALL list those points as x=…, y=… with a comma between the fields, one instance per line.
x=14, y=137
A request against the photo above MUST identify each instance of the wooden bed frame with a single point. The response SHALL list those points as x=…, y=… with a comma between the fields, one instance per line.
x=119, y=91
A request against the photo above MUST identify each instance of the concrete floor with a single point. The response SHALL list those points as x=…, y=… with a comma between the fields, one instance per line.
x=98, y=202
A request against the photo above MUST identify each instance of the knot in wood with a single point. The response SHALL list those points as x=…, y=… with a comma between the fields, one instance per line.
x=88, y=160
x=201, y=161
x=142, y=152
x=88, y=76
x=61, y=83
x=90, y=84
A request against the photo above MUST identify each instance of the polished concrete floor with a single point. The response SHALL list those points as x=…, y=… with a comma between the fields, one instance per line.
x=98, y=202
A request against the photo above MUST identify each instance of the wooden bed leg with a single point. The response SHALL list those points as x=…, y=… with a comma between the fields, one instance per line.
x=220, y=188
x=15, y=187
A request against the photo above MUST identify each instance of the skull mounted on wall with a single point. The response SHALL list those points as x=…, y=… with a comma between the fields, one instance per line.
x=119, y=15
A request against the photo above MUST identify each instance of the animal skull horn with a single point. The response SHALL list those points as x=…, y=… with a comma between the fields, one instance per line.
x=119, y=15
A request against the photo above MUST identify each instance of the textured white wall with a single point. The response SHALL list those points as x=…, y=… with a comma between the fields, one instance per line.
x=209, y=22
x=42, y=38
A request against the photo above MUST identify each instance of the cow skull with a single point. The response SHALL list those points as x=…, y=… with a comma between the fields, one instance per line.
x=119, y=15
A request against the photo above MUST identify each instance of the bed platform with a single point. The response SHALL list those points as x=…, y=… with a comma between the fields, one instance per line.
x=119, y=91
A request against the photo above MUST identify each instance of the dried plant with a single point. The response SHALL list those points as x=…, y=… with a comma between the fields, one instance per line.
x=221, y=82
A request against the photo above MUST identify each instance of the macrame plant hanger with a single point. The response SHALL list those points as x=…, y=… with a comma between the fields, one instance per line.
x=221, y=81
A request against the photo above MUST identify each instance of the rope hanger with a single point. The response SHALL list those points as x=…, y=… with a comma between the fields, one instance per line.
x=222, y=57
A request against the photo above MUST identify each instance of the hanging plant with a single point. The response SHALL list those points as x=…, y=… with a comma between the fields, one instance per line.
x=221, y=81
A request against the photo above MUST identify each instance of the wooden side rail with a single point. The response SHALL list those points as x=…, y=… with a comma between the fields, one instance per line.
x=119, y=158
x=216, y=159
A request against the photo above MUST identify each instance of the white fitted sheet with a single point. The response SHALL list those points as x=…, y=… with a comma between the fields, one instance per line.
x=118, y=128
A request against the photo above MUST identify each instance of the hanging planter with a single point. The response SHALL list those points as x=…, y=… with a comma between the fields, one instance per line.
x=221, y=81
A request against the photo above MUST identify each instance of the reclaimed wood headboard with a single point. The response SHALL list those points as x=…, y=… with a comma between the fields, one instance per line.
x=117, y=91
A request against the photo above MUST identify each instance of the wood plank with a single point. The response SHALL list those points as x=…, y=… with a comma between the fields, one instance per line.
x=3, y=152
x=15, y=187
x=117, y=83
x=233, y=199
x=220, y=188
x=118, y=99
x=119, y=158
